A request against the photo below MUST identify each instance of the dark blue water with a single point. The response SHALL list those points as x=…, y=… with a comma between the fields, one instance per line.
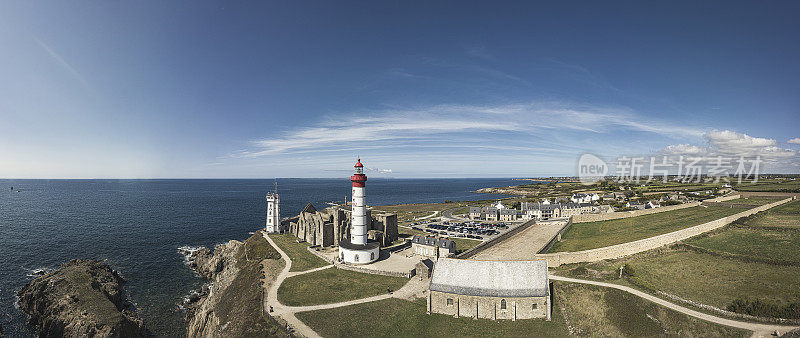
x=137, y=225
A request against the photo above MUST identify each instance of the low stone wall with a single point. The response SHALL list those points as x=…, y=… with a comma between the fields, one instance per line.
x=355, y=268
x=723, y=198
x=485, y=245
x=630, y=248
x=729, y=313
x=627, y=214
x=360, y=269
x=557, y=237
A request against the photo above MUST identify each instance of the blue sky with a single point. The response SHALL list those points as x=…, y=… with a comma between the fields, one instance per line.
x=146, y=89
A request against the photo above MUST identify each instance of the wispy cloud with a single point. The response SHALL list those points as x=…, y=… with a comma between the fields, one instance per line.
x=795, y=140
x=462, y=125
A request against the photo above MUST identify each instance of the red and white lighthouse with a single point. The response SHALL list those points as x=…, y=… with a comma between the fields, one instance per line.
x=357, y=250
x=358, y=227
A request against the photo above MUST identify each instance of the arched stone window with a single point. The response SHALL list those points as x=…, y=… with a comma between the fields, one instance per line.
x=534, y=306
x=502, y=304
x=371, y=255
x=355, y=259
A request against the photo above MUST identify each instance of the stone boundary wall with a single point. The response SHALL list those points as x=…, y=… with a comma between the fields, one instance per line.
x=409, y=274
x=630, y=248
x=627, y=214
x=557, y=237
x=485, y=245
x=729, y=313
x=723, y=198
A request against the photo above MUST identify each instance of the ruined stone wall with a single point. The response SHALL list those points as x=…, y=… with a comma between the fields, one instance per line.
x=331, y=225
x=630, y=248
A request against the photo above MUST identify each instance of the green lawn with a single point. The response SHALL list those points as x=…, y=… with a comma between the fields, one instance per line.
x=334, y=285
x=753, y=200
x=715, y=280
x=783, y=216
x=400, y=318
x=584, y=236
x=786, y=186
x=605, y=312
x=302, y=260
x=463, y=244
x=777, y=246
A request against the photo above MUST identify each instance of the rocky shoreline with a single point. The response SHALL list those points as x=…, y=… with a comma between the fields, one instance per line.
x=219, y=267
x=80, y=298
x=231, y=303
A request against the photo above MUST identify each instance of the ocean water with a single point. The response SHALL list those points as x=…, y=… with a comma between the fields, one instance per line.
x=137, y=227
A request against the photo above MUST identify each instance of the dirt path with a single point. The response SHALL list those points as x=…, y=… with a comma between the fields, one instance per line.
x=759, y=330
x=411, y=290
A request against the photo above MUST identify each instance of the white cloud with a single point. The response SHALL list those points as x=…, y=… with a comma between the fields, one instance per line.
x=684, y=149
x=795, y=140
x=446, y=124
x=730, y=144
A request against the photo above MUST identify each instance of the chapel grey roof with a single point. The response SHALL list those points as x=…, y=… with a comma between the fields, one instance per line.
x=491, y=278
x=474, y=210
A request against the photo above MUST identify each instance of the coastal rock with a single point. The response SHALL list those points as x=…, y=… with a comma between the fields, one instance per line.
x=220, y=269
x=81, y=298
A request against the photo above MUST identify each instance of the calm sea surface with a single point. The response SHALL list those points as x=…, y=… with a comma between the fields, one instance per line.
x=138, y=225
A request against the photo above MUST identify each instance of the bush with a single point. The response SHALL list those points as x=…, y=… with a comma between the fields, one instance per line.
x=580, y=271
x=627, y=270
x=760, y=308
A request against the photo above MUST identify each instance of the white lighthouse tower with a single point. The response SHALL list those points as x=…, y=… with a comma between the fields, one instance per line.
x=357, y=250
x=274, y=212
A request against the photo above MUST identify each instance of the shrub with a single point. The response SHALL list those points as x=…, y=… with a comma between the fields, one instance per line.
x=761, y=308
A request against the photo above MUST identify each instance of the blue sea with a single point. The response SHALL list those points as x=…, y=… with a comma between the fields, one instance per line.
x=137, y=226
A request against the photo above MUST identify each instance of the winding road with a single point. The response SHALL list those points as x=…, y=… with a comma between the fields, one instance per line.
x=409, y=291
x=759, y=330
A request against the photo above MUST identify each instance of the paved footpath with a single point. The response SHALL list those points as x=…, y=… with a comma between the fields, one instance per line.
x=759, y=330
x=411, y=290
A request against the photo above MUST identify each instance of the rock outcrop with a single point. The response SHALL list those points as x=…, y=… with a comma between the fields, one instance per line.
x=231, y=304
x=220, y=269
x=83, y=298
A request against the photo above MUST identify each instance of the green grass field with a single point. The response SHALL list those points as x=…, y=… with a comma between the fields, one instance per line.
x=584, y=236
x=605, y=312
x=302, y=260
x=783, y=216
x=589, y=310
x=400, y=318
x=784, y=186
x=776, y=246
x=333, y=285
x=463, y=244
x=716, y=280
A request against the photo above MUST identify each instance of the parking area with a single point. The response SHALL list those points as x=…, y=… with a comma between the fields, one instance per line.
x=468, y=229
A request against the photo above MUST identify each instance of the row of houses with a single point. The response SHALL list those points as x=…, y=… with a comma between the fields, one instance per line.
x=544, y=210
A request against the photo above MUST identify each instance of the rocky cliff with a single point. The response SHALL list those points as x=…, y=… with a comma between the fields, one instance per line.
x=82, y=298
x=231, y=304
